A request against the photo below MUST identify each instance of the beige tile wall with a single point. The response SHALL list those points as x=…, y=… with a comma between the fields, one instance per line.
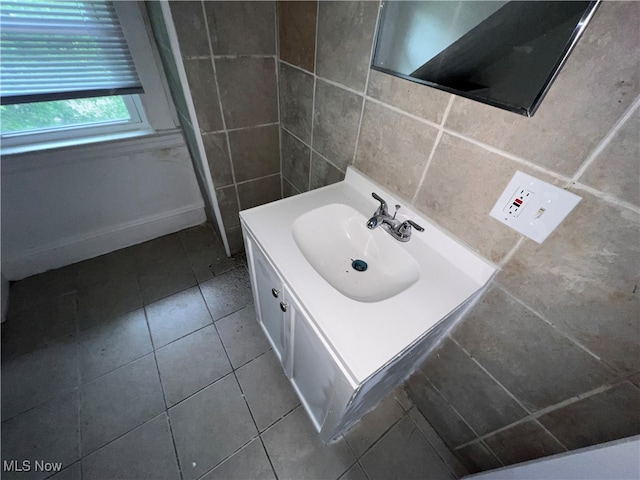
x=229, y=53
x=170, y=66
x=548, y=360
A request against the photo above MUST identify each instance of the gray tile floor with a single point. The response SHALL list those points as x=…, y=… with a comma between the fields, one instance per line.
x=148, y=363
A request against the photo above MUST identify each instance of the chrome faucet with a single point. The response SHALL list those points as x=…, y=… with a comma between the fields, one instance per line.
x=400, y=230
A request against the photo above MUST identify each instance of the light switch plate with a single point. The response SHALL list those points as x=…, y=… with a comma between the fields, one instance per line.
x=533, y=207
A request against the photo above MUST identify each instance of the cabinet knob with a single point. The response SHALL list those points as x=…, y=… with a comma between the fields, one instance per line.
x=283, y=306
x=275, y=292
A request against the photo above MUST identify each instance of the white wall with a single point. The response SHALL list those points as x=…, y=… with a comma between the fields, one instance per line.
x=67, y=205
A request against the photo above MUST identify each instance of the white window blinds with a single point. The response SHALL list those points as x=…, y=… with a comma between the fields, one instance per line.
x=58, y=50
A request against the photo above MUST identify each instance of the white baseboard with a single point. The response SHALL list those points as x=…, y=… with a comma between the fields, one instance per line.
x=82, y=247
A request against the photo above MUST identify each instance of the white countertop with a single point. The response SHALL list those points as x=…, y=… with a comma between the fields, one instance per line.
x=365, y=336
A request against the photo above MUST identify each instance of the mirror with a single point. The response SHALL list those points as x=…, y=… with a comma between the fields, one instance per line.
x=504, y=53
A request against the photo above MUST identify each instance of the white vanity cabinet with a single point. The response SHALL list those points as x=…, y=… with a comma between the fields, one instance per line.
x=268, y=292
x=315, y=375
x=344, y=353
x=332, y=398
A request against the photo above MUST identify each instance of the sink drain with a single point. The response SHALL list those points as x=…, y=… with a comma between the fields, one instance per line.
x=359, y=265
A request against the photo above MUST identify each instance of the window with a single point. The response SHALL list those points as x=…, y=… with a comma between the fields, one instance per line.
x=65, y=72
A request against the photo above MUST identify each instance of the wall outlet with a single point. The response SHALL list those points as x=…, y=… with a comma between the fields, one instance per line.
x=533, y=207
x=518, y=202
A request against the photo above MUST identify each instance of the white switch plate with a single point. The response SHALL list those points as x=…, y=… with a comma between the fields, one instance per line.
x=542, y=210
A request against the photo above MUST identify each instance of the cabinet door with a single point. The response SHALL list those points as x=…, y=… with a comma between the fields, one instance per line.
x=269, y=294
x=314, y=373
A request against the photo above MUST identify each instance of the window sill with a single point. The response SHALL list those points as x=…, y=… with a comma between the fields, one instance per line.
x=73, y=142
x=53, y=153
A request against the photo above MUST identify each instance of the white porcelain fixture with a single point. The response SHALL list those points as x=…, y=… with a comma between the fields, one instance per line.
x=347, y=338
x=333, y=237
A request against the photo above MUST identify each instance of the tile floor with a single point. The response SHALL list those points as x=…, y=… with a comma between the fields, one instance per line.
x=148, y=363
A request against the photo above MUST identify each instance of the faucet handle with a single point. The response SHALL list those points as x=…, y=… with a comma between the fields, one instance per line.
x=382, y=210
x=404, y=230
x=414, y=225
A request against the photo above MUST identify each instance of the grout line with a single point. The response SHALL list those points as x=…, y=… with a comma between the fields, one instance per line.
x=607, y=139
x=225, y=186
x=79, y=371
x=313, y=151
x=510, y=254
x=258, y=178
x=284, y=416
x=577, y=398
x=280, y=417
x=231, y=455
x=539, y=413
x=439, y=448
x=164, y=397
x=444, y=399
x=323, y=79
x=313, y=100
x=224, y=123
x=163, y=412
x=552, y=325
x=366, y=86
x=473, y=359
x=436, y=143
x=293, y=65
x=628, y=379
x=423, y=176
x=341, y=86
x=116, y=369
x=364, y=470
x=200, y=389
x=284, y=179
x=484, y=444
x=80, y=453
x=606, y=197
x=146, y=304
x=193, y=271
x=194, y=57
x=244, y=55
x=377, y=440
x=406, y=114
x=540, y=424
x=266, y=452
x=329, y=161
x=238, y=129
x=306, y=144
x=447, y=110
x=510, y=156
x=355, y=462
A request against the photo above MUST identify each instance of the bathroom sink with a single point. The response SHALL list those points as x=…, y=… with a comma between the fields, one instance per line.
x=365, y=265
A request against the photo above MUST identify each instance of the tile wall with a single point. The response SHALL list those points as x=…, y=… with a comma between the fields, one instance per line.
x=229, y=53
x=549, y=359
x=170, y=67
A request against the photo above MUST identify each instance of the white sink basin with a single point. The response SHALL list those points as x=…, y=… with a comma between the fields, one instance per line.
x=333, y=236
